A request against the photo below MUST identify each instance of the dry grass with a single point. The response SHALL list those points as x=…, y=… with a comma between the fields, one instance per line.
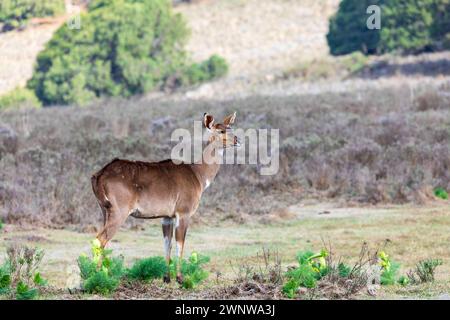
x=18, y=52
x=258, y=37
x=377, y=146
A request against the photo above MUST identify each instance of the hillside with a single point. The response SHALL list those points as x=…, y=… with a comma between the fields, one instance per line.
x=259, y=37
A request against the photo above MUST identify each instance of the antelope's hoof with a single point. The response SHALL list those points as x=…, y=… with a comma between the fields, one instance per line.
x=166, y=279
x=180, y=279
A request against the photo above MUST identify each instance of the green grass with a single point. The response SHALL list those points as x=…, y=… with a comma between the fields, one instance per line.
x=441, y=193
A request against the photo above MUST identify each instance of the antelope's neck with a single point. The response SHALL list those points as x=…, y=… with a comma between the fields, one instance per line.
x=207, y=170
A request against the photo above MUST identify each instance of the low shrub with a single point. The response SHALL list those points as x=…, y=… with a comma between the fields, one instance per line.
x=192, y=270
x=101, y=273
x=389, y=269
x=318, y=275
x=441, y=193
x=424, y=271
x=148, y=269
x=19, y=97
x=214, y=67
x=19, y=275
x=312, y=267
x=155, y=268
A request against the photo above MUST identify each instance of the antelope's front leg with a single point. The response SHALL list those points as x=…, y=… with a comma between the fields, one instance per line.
x=167, y=228
x=182, y=222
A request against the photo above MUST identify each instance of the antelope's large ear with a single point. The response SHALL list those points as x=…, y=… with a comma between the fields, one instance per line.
x=228, y=121
x=208, y=121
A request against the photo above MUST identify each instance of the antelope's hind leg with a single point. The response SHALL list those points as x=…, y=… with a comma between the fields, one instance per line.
x=114, y=218
x=167, y=228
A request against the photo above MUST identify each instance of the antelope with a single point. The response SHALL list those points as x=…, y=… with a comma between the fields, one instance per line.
x=165, y=189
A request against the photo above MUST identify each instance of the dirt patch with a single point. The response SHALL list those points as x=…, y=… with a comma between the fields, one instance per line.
x=334, y=210
x=138, y=290
x=133, y=290
x=246, y=290
x=32, y=238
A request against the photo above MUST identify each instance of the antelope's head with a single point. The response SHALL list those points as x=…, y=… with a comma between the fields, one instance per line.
x=221, y=134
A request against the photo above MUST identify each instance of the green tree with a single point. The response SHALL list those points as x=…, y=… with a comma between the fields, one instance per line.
x=348, y=30
x=16, y=13
x=440, y=29
x=123, y=48
x=407, y=25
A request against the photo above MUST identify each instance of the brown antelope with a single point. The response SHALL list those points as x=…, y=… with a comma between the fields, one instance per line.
x=160, y=189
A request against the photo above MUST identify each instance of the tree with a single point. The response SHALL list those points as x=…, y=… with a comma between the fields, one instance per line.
x=123, y=48
x=407, y=26
x=348, y=30
x=16, y=13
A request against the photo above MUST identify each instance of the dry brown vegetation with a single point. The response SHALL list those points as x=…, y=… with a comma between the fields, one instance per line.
x=377, y=146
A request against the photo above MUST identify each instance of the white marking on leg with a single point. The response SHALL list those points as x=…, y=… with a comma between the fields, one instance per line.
x=179, y=246
x=167, y=246
x=207, y=183
x=177, y=221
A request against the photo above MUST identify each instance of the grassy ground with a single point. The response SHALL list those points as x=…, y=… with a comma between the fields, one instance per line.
x=413, y=233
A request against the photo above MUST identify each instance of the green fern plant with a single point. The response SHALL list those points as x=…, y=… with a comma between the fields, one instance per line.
x=148, y=269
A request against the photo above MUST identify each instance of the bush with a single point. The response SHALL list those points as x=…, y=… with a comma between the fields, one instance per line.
x=156, y=267
x=101, y=282
x=214, y=67
x=441, y=193
x=19, y=97
x=407, y=26
x=424, y=271
x=148, y=269
x=104, y=277
x=116, y=55
x=192, y=270
x=389, y=269
x=348, y=30
x=16, y=13
x=102, y=274
x=19, y=275
x=320, y=274
x=312, y=267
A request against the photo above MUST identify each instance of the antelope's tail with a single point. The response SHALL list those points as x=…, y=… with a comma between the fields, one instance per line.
x=99, y=190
